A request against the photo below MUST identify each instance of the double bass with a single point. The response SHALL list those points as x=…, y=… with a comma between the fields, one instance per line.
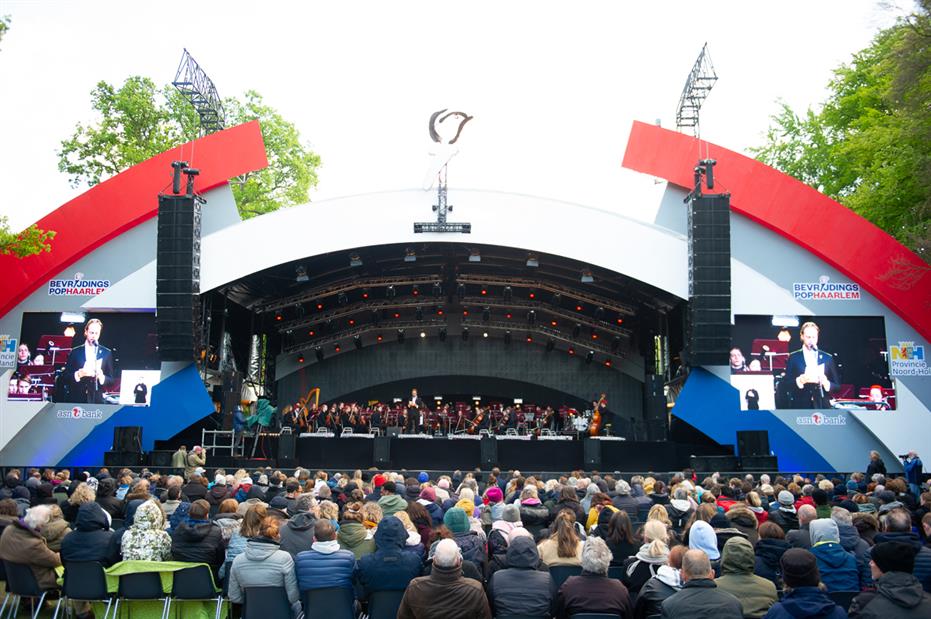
x=595, y=427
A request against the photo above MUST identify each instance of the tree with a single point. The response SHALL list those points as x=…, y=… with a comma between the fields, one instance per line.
x=32, y=240
x=869, y=146
x=138, y=120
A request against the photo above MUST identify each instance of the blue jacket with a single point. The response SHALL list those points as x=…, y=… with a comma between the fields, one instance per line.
x=922, y=569
x=837, y=566
x=322, y=570
x=436, y=513
x=913, y=471
x=390, y=567
x=809, y=602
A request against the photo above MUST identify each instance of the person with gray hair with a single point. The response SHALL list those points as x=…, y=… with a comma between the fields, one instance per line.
x=852, y=542
x=801, y=537
x=445, y=593
x=21, y=543
x=297, y=534
x=700, y=597
x=593, y=591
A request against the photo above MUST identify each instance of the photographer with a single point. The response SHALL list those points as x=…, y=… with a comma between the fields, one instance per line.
x=913, y=472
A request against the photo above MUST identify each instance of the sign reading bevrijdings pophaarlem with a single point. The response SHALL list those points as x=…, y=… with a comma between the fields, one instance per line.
x=78, y=286
x=826, y=290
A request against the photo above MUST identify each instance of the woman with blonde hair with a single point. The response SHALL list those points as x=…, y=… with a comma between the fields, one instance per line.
x=371, y=516
x=250, y=527
x=82, y=494
x=652, y=555
x=563, y=547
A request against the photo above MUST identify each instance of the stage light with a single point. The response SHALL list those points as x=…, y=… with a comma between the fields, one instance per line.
x=365, y=294
x=620, y=321
x=437, y=290
x=615, y=344
x=439, y=310
x=300, y=358
x=352, y=322
x=590, y=356
x=355, y=260
x=379, y=337
x=400, y=335
x=529, y=339
x=578, y=308
x=532, y=294
x=486, y=314
x=485, y=334
x=507, y=293
x=319, y=306
x=607, y=363
x=586, y=277
x=784, y=335
x=531, y=318
x=410, y=255
x=465, y=334
x=442, y=334
x=576, y=330
x=278, y=316
x=599, y=313
x=300, y=274
x=69, y=331
x=78, y=317
x=415, y=290
x=507, y=337
x=571, y=351
x=532, y=261
x=337, y=348
x=484, y=292
x=594, y=335
x=423, y=334
x=550, y=345
x=319, y=353
x=357, y=342
x=419, y=313
x=465, y=312
x=553, y=323
x=475, y=256
x=390, y=292
x=509, y=315
x=397, y=314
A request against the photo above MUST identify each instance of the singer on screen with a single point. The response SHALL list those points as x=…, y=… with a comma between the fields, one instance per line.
x=90, y=367
x=811, y=373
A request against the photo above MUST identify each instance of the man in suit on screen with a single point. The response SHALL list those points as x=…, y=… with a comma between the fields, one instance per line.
x=90, y=367
x=811, y=373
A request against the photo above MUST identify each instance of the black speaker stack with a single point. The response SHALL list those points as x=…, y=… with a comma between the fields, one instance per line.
x=752, y=443
x=654, y=408
x=127, y=447
x=177, y=283
x=591, y=453
x=489, y=451
x=709, y=314
x=287, y=449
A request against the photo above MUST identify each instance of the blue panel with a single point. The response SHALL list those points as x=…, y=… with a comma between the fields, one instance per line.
x=713, y=406
x=177, y=402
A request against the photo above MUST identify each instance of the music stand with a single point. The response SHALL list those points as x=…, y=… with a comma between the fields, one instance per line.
x=56, y=349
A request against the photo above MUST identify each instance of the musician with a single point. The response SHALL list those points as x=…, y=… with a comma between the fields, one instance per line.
x=415, y=403
x=547, y=419
x=90, y=367
x=294, y=417
x=508, y=421
x=375, y=419
x=811, y=373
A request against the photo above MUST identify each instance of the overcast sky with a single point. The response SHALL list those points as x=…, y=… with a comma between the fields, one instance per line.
x=553, y=86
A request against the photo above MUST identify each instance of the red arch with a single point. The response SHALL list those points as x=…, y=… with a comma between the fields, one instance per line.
x=883, y=266
x=122, y=202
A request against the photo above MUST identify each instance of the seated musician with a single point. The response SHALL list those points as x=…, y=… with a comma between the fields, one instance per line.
x=375, y=419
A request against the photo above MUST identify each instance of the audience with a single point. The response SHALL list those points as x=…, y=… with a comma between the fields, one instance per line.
x=756, y=594
x=801, y=537
x=803, y=596
x=769, y=550
x=898, y=593
x=198, y=539
x=445, y=593
x=146, y=539
x=593, y=591
x=90, y=540
x=21, y=542
x=667, y=581
x=263, y=564
x=699, y=596
x=297, y=533
x=652, y=554
x=897, y=527
x=521, y=588
x=838, y=568
x=389, y=568
x=563, y=547
x=325, y=565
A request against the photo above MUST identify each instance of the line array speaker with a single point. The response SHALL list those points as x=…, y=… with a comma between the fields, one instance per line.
x=709, y=315
x=591, y=453
x=654, y=408
x=127, y=438
x=489, y=452
x=177, y=278
x=287, y=447
x=382, y=451
x=752, y=443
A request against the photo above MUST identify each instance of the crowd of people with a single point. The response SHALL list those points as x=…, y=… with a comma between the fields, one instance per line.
x=481, y=545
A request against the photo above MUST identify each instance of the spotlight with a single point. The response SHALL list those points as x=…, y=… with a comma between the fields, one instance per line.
x=465, y=312
x=615, y=344
x=576, y=330
x=465, y=334
x=475, y=256
x=599, y=313
x=379, y=337
x=355, y=260
x=532, y=294
x=390, y=292
x=300, y=358
x=300, y=274
x=439, y=310
x=531, y=318
x=533, y=261
x=590, y=356
x=485, y=334
x=400, y=335
x=509, y=315
x=486, y=314
x=423, y=334
x=578, y=308
x=507, y=337
x=620, y=321
x=410, y=255
x=571, y=351
x=529, y=339
x=484, y=292
x=607, y=363
x=437, y=290
x=419, y=313
x=352, y=322
x=594, y=334
x=397, y=315
x=507, y=293
x=69, y=331
x=550, y=345
x=554, y=324
x=587, y=277
x=442, y=334
x=319, y=353
x=460, y=292
x=365, y=294
x=337, y=348
x=357, y=342
x=319, y=306
x=415, y=290
x=278, y=316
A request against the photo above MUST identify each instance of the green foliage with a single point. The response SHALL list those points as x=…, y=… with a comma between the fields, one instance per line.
x=30, y=241
x=869, y=146
x=4, y=25
x=138, y=121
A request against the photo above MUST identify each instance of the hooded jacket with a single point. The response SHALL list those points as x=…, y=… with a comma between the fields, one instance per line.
x=199, y=542
x=325, y=565
x=679, y=511
x=90, y=540
x=851, y=542
x=20, y=544
x=146, y=539
x=808, y=602
x=217, y=494
x=390, y=504
x=520, y=588
x=837, y=566
x=785, y=517
x=756, y=594
x=703, y=537
x=106, y=497
x=650, y=599
x=353, y=536
x=297, y=534
x=898, y=595
x=390, y=567
x=744, y=521
x=642, y=567
x=263, y=564
x=768, y=553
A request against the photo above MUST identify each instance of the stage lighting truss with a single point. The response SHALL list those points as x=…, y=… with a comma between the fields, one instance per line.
x=698, y=85
x=538, y=286
x=540, y=308
x=345, y=286
x=194, y=84
x=544, y=335
x=383, y=330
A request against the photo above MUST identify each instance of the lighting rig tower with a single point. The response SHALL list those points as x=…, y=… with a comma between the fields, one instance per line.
x=192, y=82
x=445, y=132
x=698, y=85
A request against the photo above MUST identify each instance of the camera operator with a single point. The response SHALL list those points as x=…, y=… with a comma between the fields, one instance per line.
x=913, y=472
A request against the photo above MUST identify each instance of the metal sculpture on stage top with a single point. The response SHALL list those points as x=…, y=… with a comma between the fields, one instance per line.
x=192, y=82
x=698, y=85
x=445, y=129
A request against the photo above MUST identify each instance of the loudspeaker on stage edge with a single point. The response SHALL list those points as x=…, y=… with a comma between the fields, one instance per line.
x=489, y=452
x=287, y=448
x=382, y=455
x=591, y=449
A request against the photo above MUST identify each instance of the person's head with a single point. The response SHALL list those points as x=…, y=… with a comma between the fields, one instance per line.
x=876, y=393
x=771, y=530
x=269, y=528
x=567, y=539
x=22, y=353
x=658, y=512
x=92, y=331
x=37, y=517
x=926, y=524
x=447, y=554
x=737, y=358
x=676, y=554
x=695, y=565
x=596, y=556
x=23, y=385
x=199, y=510
x=82, y=494
x=874, y=455
x=799, y=568
x=656, y=536
x=324, y=531
x=897, y=520
x=823, y=530
x=809, y=335
x=389, y=487
x=806, y=513
x=228, y=506
x=252, y=521
x=619, y=528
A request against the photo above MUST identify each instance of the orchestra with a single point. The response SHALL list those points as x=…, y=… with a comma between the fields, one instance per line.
x=414, y=417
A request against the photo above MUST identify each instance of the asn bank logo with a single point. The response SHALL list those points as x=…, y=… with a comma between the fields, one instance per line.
x=79, y=413
x=908, y=359
x=820, y=419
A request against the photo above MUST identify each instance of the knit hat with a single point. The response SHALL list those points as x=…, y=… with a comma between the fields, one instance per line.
x=263, y=480
x=823, y=530
x=622, y=487
x=467, y=506
x=428, y=494
x=852, y=486
x=894, y=556
x=494, y=494
x=850, y=506
x=443, y=483
x=279, y=502
x=510, y=513
x=799, y=568
x=456, y=520
x=786, y=498
x=423, y=477
x=719, y=521
x=219, y=480
x=92, y=483
x=378, y=481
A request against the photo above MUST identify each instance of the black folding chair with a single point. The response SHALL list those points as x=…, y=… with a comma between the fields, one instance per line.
x=265, y=603
x=384, y=604
x=559, y=573
x=142, y=587
x=328, y=603
x=6, y=597
x=194, y=584
x=21, y=583
x=843, y=598
x=84, y=582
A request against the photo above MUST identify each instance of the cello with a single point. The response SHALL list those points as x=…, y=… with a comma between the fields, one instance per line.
x=595, y=427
